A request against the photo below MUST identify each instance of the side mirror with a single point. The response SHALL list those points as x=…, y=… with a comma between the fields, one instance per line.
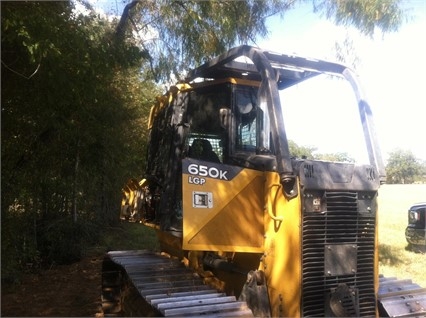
x=225, y=117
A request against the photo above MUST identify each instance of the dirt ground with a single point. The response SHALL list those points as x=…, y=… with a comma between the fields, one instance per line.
x=63, y=291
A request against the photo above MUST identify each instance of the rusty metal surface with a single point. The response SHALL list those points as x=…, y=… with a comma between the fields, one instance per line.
x=174, y=290
x=401, y=298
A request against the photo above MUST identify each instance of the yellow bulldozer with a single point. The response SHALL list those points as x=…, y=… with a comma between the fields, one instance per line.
x=245, y=227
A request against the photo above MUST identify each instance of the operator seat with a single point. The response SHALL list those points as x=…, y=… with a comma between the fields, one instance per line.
x=202, y=149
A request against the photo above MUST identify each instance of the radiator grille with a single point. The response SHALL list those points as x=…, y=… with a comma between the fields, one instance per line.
x=341, y=224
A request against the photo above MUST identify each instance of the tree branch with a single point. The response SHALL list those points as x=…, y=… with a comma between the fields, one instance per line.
x=20, y=74
x=121, y=27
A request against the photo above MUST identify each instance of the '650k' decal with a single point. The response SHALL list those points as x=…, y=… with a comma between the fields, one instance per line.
x=203, y=169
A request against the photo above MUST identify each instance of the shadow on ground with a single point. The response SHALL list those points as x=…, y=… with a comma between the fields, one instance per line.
x=390, y=255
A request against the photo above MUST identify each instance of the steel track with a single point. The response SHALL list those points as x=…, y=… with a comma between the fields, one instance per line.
x=170, y=289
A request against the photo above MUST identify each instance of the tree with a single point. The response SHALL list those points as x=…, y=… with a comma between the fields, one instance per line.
x=301, y=151
x=308, y=152
x=366, y=16
x=422, y=175
x=74, y=109
x=179, y=35
x=338, y=156
x=403, y=167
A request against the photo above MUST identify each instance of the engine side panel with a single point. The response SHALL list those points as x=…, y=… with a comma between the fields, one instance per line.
x=222, y=207
x=339, y=239
x=281, y=261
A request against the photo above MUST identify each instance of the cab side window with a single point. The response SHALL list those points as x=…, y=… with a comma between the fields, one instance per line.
x=245, y=120
x=206, y=138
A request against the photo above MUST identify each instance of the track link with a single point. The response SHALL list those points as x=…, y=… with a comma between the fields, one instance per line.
x=170, y=289
x=401, y=298
x=166, y=284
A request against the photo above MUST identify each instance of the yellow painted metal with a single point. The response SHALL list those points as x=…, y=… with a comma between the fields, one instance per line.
x=250, y=214
x=376, y=257
x=281, y=261
x=234, y=222
x=169, y=243
x=128, y=192
x=155, y=109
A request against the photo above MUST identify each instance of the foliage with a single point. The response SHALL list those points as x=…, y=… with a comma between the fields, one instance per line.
x=338, y=156
x=403, y=167
x=308, y=152
x=421, y=177
x=346, y=52
x=74, y=108
x=366, y=16
x=179, y=35
x=129, y=236
x=62, y=242
x=18, y=244
x=301, y=151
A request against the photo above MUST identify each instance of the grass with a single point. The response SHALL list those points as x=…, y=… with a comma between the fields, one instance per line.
x=396, y=259
x=127, y=236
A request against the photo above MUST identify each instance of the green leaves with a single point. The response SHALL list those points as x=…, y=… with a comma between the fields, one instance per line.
x=365, y=15
x=310, y=152
x=71, y=132
x=404, y=168
x=180, y=35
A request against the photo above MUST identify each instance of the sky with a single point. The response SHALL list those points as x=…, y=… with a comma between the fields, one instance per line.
x=392, y=70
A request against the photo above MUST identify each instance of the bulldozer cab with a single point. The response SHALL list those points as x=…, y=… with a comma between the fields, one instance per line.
x=228, y=111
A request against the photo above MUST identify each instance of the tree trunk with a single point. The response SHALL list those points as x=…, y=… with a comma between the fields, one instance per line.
x=74, y=190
